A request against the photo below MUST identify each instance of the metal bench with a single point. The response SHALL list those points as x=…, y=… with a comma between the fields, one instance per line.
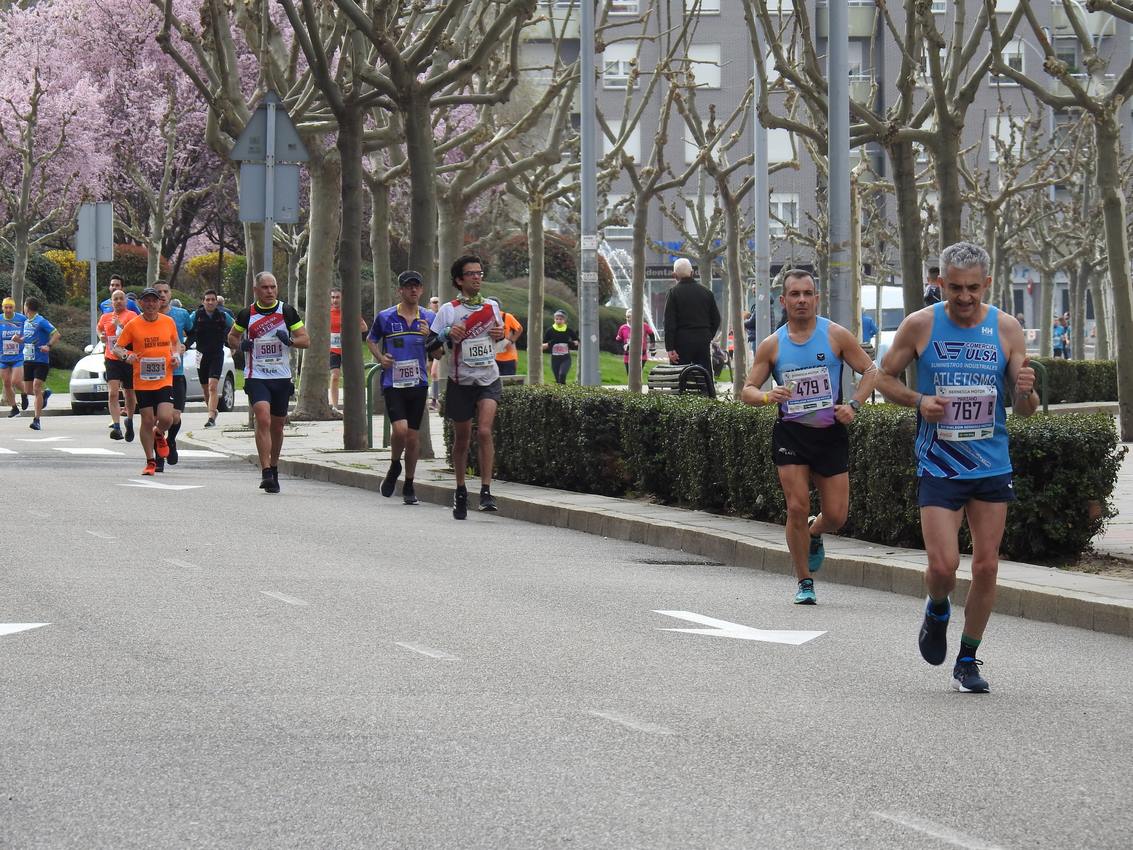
x=691, y=378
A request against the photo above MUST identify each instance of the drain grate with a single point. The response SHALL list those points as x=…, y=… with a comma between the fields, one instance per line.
x=667, y=562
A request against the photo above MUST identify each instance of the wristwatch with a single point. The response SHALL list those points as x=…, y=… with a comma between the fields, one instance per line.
x=855, y=405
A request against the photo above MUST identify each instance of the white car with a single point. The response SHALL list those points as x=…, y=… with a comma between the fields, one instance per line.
x=88, y=381
x=890, y=316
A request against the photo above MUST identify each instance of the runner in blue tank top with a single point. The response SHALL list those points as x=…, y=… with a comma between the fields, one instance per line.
x=809, y=440
x=970, y=357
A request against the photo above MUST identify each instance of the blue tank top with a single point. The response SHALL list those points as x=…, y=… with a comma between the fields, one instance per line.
x=968, y=366
x=814, y=395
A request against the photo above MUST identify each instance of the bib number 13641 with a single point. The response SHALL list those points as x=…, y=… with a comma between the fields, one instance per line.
x=477, y=352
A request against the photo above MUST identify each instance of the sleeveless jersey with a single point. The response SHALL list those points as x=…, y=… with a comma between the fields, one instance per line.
x=816, y=373
x=269, y=357
x=967, y=366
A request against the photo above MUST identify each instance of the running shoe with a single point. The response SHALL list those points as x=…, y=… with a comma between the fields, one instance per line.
x=933, y=638
x=966, y=676
x=151, y=468
x=24, y=401
x=161, y=464
x=817, y=553
x=460, y=504
x=160, y=444
x=272, y=484
x=172, y=451
x=116, y=431
x=35, y=426
x=14, y=412
x=408, y=494
x=487, y=501
x=46, y=395
x=211, y=423
x=265, y=477
x=130, y=429
x=389, y=483
x=805, y=594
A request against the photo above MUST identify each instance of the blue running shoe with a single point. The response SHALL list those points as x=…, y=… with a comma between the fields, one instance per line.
x=46, y=397
x=817, y=553
x=966, y=677
x=805, y=594
x=933, y=639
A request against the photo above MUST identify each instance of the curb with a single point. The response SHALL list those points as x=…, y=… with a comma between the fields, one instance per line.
x=1023, y=590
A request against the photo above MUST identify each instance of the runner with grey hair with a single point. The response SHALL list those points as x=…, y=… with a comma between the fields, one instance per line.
x=970, y=356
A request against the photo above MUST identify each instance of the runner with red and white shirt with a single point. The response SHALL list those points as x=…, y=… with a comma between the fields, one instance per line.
x=470, y=326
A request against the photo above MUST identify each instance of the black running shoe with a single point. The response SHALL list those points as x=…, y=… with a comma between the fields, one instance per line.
x=116, y=431
x=265, y=477
x=211, y=422
x=271, y=485
x=389, y=483
x=46, y=397
x=23, y=401
x=160, y=463
x=487, y=501
x=14, y=412
x=933, y=639
x=460, y=504
x=172, y=452
x=966, y=676
x=130, y=429
x=408, y=494
x=35, y=426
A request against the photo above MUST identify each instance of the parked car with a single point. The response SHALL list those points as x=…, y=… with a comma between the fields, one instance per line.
x=88, y=381
x=891, y=314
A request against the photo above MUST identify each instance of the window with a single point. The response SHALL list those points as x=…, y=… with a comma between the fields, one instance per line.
x=1004, y=6
x=704, y=65
x=617, y=62
x=1066, y=49
x=784, y=212
x=632, y=146
x=618, y=231
x=858, y=60
x=939, y=7
x=781, y=7
x=691, y=215
x=1005, y=136
x=623, y=7
x=780, y=146
x=710, y=7
x=1013, y=56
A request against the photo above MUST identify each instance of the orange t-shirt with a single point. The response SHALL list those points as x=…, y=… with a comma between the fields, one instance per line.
x=335, y=331
x=509, y=352
x=155, y=343
x=110, y=325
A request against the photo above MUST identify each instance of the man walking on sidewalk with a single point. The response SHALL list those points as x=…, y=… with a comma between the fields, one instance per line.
x=969, y=356
x=209, y=330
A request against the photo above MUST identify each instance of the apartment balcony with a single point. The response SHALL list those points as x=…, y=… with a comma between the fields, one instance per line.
x=1096, y=23
x=861, y=89
x=861, y=17
x=1097, y=86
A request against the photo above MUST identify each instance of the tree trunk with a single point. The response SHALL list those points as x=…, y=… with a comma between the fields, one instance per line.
x=379, y=248
x=856, y=260
x=349, y=146
x=1078, y=311
x=637, y=289
x=153, y=248
x=450, y=236
x=1107, y=133
x=253, y=255
x=1046, y=305
x=1002, y=272
x=325, y=225
x=735, y=293
x=946, y=161
x=20, y=250
x=535, y=285
x=423, y=185
x=1101, y=315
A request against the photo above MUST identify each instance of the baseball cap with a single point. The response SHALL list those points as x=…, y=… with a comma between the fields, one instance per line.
x=408, y=277
x=149, y=290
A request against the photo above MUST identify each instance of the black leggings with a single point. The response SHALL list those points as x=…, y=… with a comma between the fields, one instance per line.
x=560, y=366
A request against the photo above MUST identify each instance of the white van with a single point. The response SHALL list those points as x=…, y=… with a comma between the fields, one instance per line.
x=892, y=312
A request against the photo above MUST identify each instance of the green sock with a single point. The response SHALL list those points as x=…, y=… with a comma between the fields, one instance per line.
x=968, y=646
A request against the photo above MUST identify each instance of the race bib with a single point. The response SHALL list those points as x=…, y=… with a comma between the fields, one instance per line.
x=560, y=348
x=502, y=346
x=151, y=368
x=810, y=390
x=969, y=413
x=29, y=351
x=269, y=354
x=406, y=373
x=477, y=352
x=11, y=347
x=336, y=340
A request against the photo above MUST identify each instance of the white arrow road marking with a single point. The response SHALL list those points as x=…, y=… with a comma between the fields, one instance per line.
x=283, y=597
x=153, y=485
x=7, y=452
x=88, y=451
x=722, y=628
x=101, y=535
x=44, y=439
x=936, y=830
x=12, y=628
x=632, y=723
x=205, y=453
x=438, y=654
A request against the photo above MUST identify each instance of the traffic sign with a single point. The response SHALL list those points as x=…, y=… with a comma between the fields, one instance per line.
x=252, y=145
x=253, y=192
x=95, y=239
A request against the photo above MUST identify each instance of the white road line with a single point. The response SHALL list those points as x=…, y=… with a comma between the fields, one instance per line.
x=13, y=628
x=936, y=830
x=202, y=453
x=7, y=452
x=101, y=535
x=632, y=723
x=283, y=597
x=88, y=451
x=43, y=439
x=185, y=565
x=438, y=654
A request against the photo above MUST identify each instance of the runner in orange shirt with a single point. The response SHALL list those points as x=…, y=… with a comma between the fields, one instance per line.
x=336, y=343
x=119, y=374
x=152, y=344
x=507, y=356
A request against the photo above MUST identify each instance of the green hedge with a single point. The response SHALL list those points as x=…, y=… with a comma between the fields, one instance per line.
x=716, y=456
x=1073, y=381
x=514, y=300
x=45, y=276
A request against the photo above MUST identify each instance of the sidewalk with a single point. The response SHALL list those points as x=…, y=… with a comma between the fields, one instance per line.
x=314, y=450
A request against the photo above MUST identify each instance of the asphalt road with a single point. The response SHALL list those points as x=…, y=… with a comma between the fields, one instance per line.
x=327, y=668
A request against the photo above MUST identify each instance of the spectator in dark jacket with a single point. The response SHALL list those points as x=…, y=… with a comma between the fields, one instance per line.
x=691, y=319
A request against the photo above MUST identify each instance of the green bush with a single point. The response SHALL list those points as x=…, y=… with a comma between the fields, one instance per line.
x=1075, y=381
x=716, y=456
x=30, y=288
x=235, y=271
x=560, y=261
x=45, y=275
x=513, y=299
